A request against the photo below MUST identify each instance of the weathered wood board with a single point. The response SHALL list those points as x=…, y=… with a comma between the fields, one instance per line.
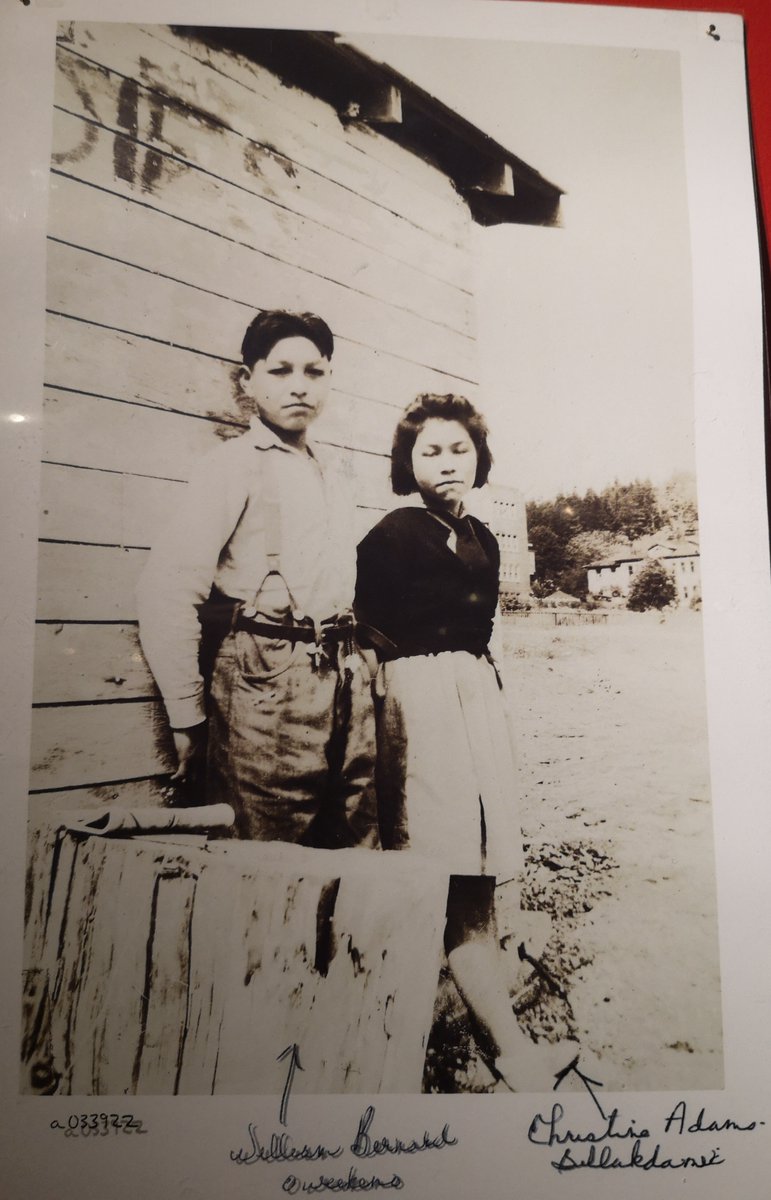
x=103, y=434
x=234, y=282
x=90, y=363
x=80, y=663
x=45, y=808
x=97, y=743
x=281, y=197
x=163, y=968
x=381, y=171
x=268, y=277
x=104, y=507
x=238, y=95
x=88, y=583
x=107, y=508
x=350, y=421
x=94, y=582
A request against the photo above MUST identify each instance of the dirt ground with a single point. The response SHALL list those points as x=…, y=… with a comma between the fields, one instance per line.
x=612, y=739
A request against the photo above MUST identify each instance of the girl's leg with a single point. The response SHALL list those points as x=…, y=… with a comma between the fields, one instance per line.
x=476, y=962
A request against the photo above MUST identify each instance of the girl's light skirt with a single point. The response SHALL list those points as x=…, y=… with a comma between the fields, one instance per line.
x=447, y=785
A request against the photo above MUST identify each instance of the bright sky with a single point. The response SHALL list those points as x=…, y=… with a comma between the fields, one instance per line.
x=585, y=332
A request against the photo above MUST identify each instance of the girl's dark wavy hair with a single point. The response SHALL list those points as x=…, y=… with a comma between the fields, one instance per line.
x=446, y=408
x=273, y=325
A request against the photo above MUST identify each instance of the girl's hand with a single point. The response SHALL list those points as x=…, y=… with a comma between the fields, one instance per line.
x=370, y=659
x=189, y=745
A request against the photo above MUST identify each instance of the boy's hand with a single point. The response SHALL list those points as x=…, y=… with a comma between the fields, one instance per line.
x=189, y=745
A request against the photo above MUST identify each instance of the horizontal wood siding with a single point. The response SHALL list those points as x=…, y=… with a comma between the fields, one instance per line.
x=402, y=329
x=88, y=583
x=300, y=132
x=77, y=663
x=105, y=507
x=89, y=744
x=189, y=189
x=45, y=808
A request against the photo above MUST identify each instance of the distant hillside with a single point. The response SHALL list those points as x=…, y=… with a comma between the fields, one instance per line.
x=571, y=531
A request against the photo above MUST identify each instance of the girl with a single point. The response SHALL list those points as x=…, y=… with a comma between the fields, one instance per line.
x=426, y=595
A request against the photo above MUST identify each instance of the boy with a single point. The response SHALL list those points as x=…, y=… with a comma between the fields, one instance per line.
x=265, y=536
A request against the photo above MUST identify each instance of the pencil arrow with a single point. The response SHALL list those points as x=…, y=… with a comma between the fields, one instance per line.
x=586, y=1081
x=293, y=1053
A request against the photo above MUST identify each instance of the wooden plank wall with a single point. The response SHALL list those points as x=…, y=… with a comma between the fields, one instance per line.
x=189, y=188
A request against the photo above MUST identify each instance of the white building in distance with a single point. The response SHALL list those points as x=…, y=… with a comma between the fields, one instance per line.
x=506, y=515
x=614, y=574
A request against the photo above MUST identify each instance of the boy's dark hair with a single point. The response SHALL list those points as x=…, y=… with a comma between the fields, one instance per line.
x=273, y=325
x=446, y=408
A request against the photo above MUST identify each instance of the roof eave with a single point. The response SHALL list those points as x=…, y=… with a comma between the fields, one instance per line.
x=498, y=186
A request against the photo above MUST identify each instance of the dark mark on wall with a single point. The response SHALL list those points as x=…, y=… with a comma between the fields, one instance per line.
x=124, y=150
x=255, y=154
x=148, y=75
x=152, y=170
x=128, y=106
x=90, y=133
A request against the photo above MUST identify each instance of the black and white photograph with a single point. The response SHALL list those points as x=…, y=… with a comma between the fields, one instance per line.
x=369, y=709
x=386, y=604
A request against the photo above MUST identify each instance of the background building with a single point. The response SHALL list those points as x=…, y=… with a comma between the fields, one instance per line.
x=503, y=510
x=617, y=571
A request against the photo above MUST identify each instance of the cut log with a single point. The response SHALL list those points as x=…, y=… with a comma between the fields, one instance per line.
x=176, y=969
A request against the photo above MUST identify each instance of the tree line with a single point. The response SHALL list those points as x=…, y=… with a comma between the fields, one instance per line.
x=572, y=531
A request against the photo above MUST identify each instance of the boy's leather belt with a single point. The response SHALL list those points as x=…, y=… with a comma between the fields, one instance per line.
x=331, y=631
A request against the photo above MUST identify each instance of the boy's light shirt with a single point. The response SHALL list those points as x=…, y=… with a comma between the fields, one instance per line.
x=217, y=534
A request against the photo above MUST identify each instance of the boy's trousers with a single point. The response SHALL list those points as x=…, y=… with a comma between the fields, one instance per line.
x=292, y=741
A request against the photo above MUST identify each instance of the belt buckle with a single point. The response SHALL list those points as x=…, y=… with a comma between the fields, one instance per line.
x=325, y=641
